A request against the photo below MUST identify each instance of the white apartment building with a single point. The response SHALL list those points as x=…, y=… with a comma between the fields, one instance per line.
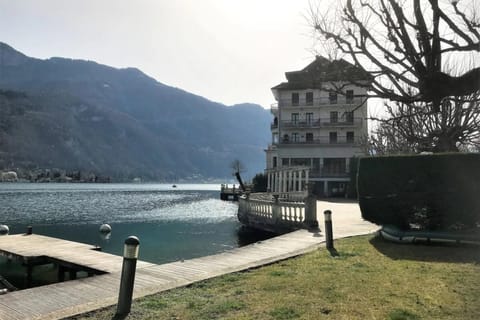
x=320, y=122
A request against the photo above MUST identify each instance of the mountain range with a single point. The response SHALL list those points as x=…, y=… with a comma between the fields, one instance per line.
x=81, y=115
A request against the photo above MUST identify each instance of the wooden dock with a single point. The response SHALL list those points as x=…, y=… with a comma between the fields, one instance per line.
x=229, y=193
x=69, y=298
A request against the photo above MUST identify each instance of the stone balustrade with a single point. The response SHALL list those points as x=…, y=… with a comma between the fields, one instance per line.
x=270, y=212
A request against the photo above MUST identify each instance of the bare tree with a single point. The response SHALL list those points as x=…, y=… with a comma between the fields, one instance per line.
x=408, y=48
x=411, y=128
x=237, y=167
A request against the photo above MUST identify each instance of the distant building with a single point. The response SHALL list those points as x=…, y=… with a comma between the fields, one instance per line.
x=316, y=130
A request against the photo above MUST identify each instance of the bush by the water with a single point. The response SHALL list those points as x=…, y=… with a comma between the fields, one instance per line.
x=432, y=192
x=259, y=182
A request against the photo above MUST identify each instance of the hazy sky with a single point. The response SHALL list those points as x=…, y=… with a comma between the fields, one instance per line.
x=230, y=51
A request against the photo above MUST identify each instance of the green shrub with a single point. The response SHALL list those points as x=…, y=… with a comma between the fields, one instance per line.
x=259, y=183
x=431, y=192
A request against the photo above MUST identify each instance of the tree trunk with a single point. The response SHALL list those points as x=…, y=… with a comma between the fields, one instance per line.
x=239, y=179
x=445, y=144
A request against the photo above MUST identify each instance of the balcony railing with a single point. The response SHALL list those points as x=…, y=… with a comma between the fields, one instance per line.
x=339, y=141
x=274, y=108
x=327, y=122
x=342, y=122
x=324, y=101
x=301, y=124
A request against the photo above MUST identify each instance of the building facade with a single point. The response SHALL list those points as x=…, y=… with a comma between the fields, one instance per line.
x=319, y=124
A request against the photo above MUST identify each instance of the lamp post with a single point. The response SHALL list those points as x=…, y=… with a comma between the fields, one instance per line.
x=130, y=256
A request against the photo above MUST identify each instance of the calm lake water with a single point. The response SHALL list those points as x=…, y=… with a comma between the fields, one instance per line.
x=171, y=223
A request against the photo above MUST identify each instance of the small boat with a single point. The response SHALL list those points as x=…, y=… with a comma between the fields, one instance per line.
x=174, y=186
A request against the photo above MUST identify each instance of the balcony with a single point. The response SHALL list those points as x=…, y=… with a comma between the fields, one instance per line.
x=301, y=124
x=324, y=101
x=320, y=140
x=274, y=108
x=318, y=123
x=352, y=122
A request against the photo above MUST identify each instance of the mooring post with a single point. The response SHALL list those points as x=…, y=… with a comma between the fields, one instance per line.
x=328, y=229
x=130, y=256
x=29, y=230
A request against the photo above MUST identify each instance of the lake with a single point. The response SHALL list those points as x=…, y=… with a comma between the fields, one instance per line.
x=172, y=223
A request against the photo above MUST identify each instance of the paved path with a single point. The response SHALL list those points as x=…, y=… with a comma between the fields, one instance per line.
x=346, y=218
x=73, y=297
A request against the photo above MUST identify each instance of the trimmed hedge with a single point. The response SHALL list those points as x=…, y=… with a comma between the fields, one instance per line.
x=429, y=192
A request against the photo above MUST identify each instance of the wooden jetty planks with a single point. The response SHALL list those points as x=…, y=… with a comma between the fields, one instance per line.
x=73, y=297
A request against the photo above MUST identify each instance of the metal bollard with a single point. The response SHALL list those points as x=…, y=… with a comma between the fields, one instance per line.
x=328, y=229
x=29, y=230
x=130, y=256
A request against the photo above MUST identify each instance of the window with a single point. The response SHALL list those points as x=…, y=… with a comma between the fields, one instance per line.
x=285, y=138
x=309, y=137
x=309, y=98
x=274, y=160
x=349, y=116
x=300, y=161
x=295, y=137
x=333, y=116
x=285, y=162
x=334, y=166
x=332, y=97
x=316, y=165
x=333, y=137
x=309, y=118
x=349, y=96
x=294, y=119
x=350, y=137
x=295, y=98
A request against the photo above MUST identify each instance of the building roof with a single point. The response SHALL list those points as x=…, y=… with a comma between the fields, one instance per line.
x=323, y=70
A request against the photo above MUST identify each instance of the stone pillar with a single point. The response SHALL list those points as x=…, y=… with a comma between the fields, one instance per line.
x=347, y=165
x=279, y=181
x=275, y=181
x=311, y=221
x=325, y=188
x=276, y=210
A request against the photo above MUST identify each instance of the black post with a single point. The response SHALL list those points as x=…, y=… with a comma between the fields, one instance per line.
x=29, y=230
x=130, y=256
x=328, y=229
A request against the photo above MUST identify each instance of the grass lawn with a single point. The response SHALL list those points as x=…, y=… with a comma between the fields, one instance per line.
x=369, y=279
